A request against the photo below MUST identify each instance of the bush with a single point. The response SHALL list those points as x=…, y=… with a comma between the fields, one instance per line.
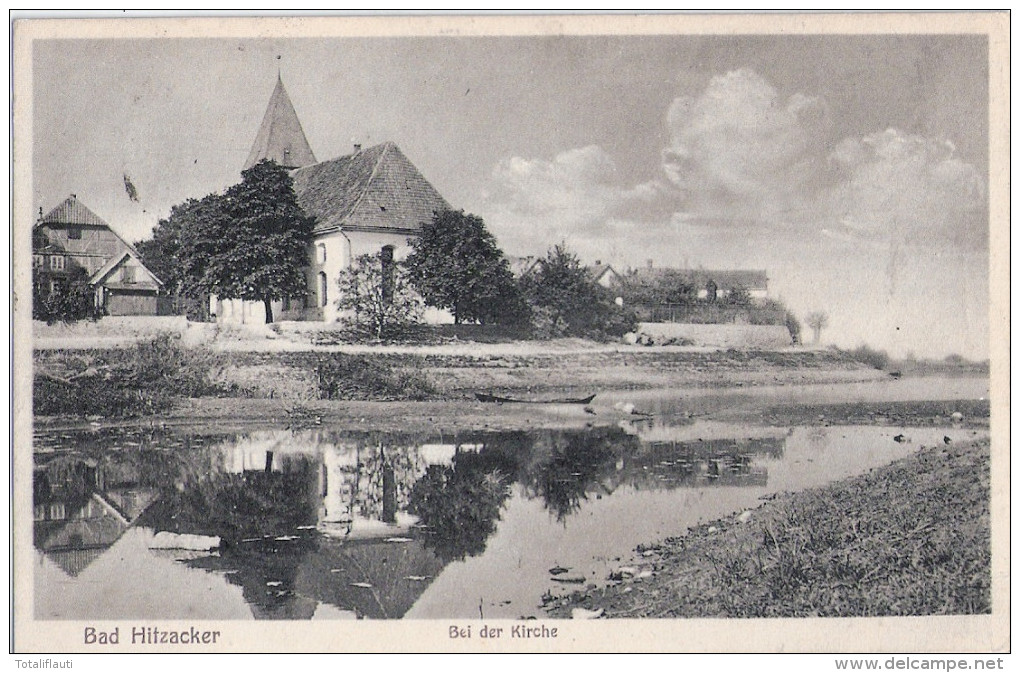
x=869, y=356
x=71, y=302
x=793, y=326
x=379, y=297
x=144, y=379
x=340, y=376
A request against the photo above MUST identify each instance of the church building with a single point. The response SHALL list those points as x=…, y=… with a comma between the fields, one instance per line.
x=368, y=202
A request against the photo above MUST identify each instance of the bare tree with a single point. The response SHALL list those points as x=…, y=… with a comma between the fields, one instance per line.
x=379, y=295
x=817, y=321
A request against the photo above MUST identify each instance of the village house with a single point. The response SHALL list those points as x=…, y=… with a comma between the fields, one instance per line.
x=71, y=238
x=368, y=202
x=605, y=275
x=708, y=284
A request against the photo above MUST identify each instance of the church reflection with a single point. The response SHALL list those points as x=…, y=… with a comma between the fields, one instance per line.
x=359, y=522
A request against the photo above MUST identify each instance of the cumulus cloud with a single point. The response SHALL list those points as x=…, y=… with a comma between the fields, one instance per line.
x=577, y=196
x=578, y=187
x=906, y=189
x=741, y=154
x=739, y=151
x=761, y=166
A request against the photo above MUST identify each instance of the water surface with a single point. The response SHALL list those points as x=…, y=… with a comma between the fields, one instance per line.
x=328, y=524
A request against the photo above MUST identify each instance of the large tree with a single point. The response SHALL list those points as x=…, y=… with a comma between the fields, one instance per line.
x=181, y=247
x=457, y=265
x=266, y=248
x=249, y=243
x=565, y=300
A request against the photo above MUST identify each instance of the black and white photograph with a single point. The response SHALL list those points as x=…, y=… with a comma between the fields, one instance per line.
x=520, y=332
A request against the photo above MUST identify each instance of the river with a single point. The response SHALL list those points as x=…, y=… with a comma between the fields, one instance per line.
x=325, y=523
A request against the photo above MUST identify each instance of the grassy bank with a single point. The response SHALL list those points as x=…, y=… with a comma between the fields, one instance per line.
x=911, y=538
x=149, y=376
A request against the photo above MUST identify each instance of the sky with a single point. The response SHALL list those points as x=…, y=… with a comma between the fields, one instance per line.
x=853, y=169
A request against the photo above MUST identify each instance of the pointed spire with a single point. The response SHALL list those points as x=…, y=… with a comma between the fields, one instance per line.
x=281, y=137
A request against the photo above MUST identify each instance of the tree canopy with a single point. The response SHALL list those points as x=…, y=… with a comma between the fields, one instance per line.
x=817, y=321
x=249, y=243
x=456, y=265
x=566, y=301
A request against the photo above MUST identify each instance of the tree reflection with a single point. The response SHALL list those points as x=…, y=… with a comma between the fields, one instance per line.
x=459, y=505
x=239, y=505
x=575, y=466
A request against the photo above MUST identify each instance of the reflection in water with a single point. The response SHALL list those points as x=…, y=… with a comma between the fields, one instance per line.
x=80, y=509
x=321, y=523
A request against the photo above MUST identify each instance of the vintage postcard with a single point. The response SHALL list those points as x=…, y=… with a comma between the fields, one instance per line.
x=671, y=333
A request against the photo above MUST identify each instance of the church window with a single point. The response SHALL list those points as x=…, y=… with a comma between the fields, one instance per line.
x=320, y=253
x=323, y=284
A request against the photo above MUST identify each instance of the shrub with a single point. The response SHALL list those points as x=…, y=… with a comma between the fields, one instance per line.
x=74, y=300
x=340, y=376
x=793, y=326
x=378, y=294
x=144, y=379
x=869, y=356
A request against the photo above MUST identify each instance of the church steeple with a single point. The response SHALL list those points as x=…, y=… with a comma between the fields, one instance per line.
x=281, y=137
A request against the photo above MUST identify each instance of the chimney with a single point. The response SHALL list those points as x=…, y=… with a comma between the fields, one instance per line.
x=357, y=147
x=650, y=264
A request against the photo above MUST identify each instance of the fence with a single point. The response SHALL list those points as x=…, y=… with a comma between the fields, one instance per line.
x=710, y=314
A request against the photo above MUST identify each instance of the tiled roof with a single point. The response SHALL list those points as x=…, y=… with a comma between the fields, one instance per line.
x=376, y=189
x=72, y=211
x=280, y=136
x=598, y=269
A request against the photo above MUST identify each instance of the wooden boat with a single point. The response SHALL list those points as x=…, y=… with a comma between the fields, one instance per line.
x=486, y=397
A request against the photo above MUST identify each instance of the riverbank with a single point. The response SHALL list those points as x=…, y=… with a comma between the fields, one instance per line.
x=163, y=377
x=910, y=538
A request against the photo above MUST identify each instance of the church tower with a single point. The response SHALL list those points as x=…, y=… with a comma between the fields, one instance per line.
x=281, y=137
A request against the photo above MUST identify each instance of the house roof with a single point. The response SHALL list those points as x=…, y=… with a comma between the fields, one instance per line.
x=280, y=136
x=116, y=261
x=598, y=270
x=522, y=266
x=376, y=189
x=749, y=279
x=72, y=211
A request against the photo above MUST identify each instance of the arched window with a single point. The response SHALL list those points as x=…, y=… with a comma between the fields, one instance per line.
x=320, y=253
x=323, y=287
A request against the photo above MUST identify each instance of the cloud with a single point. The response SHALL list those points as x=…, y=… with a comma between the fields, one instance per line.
x=579, y=187
x=745, y=168
x=742, y=156
x=578, y=196
x=737, y=151
x=908, y=190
